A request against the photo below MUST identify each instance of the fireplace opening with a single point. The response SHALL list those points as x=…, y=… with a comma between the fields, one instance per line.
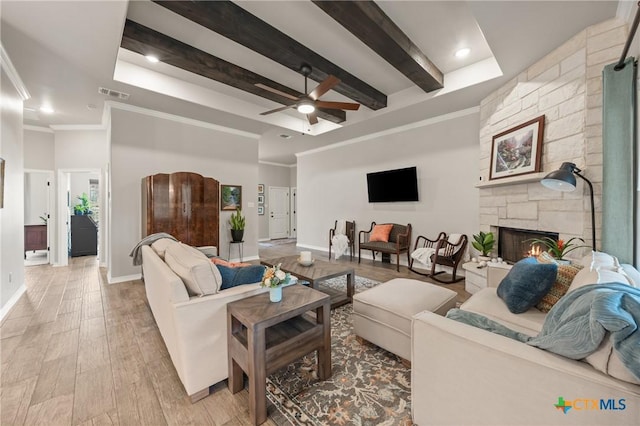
x=515, y=244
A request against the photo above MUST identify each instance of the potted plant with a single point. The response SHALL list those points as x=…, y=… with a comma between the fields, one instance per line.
x=483, y=242
x=558, y=248
x=84, y=206
x=237, y=222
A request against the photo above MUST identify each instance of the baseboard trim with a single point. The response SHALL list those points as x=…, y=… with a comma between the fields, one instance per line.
x=116, y=280
x=11, y=302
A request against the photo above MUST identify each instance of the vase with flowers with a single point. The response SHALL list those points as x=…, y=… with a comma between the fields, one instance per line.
x=559, y=248
x=275, y=278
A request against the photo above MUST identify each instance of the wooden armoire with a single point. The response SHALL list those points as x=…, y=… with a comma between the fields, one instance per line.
x=182, y=204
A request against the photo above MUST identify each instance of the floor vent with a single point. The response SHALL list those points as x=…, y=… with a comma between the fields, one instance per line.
x=113, y=93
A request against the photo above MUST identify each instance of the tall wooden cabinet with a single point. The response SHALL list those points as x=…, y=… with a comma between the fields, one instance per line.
x=182, y=204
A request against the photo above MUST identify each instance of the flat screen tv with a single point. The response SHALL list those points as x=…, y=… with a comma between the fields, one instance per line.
x=393, y=185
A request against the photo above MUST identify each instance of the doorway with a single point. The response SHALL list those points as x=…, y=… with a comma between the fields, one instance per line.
x=79, y=198
x=278, y=212
x=38, y=216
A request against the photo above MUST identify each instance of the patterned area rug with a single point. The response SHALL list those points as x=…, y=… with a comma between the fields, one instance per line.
x=369, y=386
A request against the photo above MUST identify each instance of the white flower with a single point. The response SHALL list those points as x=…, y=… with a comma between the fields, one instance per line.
x=281, y=275
x=267, y=282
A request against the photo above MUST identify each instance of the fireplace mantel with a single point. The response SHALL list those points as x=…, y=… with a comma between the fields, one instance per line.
x=531, y=177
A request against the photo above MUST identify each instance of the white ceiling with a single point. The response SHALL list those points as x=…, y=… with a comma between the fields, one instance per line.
x=64, y=50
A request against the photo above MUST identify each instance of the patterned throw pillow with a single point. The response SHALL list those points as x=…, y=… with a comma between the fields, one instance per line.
x=564, y=278
x=381, y=233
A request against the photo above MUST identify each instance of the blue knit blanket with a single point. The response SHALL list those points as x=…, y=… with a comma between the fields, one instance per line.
x=576, y=325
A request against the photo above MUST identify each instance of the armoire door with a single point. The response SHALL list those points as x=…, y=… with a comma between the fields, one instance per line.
x=181, y=197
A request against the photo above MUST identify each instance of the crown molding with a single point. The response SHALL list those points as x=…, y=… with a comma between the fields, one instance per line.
x=393, y=130
x=269, y=163
x=12, y=73
x=37, y=128
x=180, y=119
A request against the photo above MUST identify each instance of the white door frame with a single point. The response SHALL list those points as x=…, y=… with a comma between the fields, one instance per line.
x=64, y=204
x=51, y=211
x=293, y=218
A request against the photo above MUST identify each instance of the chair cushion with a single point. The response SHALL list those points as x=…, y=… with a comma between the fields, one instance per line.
x=199, y=275
x=395, y=302
x=381, y=233
x=526, y=284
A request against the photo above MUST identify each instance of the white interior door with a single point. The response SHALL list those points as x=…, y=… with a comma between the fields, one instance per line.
x=294, y=218
x=278, y=212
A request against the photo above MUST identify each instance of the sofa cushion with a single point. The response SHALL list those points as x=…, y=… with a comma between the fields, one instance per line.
x=526, y=284
x=160, y=246
x=632, y=274
x=381, y=233
x=598, y=276
x=232, y=277
x=486, y=302
x=219, y=261
x=199, y=275
x=564, y=278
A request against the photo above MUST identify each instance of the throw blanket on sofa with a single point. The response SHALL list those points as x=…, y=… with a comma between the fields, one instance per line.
x=147, y=241
x=580, y=321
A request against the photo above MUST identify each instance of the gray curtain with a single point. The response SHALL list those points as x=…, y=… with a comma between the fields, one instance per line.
x=619, y=227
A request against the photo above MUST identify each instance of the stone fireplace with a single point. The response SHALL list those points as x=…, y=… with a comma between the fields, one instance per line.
x=515, y=244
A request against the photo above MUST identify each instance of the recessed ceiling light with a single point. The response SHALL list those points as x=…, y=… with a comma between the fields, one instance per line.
x=46, y=109
x=461, y=53
x=152, y=59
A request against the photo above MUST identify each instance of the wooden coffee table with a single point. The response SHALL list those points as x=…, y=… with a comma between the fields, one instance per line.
x=318, y=272
x=263, y=336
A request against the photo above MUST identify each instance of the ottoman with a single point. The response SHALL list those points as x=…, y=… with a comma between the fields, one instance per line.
x=382, y=315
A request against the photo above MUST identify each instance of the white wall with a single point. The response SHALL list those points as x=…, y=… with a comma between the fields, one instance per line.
x=143, y=145
x=332, y=183
x=39, y=150
x=270, y=175
x=80, y=185
x=12, y=215
x=35, y=197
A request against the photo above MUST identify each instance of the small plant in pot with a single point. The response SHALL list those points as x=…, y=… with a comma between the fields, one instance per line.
x=84, y=206
x=483, y=242
x=237, y=222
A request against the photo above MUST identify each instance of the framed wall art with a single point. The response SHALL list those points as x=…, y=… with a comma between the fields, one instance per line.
x=230, y=197
x=260, y=199
x=517, y=151
x=261, y=188
x=261, y=210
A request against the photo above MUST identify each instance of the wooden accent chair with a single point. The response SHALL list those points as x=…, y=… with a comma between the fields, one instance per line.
x=399, y=242
x=445, y=253
x=350, y=232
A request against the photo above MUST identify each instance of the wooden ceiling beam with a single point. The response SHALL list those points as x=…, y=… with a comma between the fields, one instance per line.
x=365, y=20
x=146, y=41
x=235, y=23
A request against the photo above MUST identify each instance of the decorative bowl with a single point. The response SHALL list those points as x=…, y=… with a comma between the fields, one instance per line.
x=305, y=262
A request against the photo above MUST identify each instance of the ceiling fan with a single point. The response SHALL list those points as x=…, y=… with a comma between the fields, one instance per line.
x=308, y=103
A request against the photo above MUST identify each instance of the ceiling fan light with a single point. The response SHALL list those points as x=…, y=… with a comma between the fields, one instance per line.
x=306, y=108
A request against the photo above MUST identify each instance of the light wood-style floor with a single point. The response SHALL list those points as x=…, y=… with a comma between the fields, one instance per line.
x=77, y=351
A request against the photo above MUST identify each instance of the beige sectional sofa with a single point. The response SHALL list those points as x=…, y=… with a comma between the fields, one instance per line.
x=193, y=327
x=462, y=375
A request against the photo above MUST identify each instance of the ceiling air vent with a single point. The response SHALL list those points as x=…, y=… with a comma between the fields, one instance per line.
x=113, y=93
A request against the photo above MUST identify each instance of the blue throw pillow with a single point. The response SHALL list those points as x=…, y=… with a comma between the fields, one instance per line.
x=526, y=284
x=232, y=277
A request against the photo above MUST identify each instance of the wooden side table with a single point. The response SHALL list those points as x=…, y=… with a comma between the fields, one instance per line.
x=264, y=336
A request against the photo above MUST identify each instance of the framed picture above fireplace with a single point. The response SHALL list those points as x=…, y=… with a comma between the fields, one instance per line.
x=517, y=151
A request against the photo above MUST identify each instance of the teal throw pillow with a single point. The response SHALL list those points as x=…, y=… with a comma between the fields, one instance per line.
x=526, y=284
x=232, y=277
